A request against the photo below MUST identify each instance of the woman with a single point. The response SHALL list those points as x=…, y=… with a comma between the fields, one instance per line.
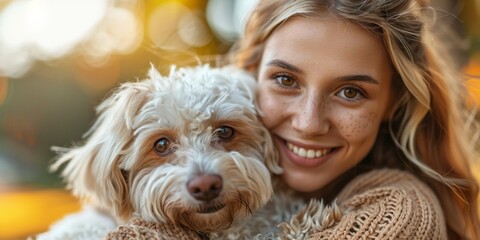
x=352, y=90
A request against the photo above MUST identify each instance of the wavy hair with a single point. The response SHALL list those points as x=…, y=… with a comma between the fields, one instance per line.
x=431, y=131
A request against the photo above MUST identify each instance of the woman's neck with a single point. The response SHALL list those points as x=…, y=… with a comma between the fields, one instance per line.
x=332, y=189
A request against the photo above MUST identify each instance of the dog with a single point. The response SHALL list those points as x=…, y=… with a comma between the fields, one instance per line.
x=187, y=149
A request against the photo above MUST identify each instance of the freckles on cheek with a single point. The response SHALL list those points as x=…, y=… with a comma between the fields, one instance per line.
x=357, y=126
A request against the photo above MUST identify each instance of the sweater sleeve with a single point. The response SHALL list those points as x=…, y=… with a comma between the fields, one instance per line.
x=386, y=204
x=141, y=229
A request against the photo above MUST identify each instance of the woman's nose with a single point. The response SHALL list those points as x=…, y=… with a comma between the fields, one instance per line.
x=311, y=118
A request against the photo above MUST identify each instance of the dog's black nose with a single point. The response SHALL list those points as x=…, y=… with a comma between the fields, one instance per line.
x=205, y=187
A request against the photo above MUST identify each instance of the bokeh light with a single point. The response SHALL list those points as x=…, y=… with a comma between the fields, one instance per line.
x=193, y=30
x=45, y=30
x=37, y=211
x=227, y=18
x=163, y=25
x=120, y=32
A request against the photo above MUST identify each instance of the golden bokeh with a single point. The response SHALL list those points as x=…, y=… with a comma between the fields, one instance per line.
x=26, y=212
x=472, y=71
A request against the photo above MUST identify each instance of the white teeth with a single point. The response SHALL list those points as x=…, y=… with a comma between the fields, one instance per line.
x=308, y=153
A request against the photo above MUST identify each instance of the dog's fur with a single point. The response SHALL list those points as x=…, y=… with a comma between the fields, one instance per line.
x=118, y=171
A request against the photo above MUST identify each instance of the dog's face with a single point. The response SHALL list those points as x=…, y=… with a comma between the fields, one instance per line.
x=188, y=148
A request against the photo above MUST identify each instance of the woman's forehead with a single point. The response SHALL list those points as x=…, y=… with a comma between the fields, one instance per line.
x=325, y=42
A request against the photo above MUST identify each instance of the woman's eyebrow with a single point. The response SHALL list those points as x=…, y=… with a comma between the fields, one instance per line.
x=359, y=77
x=282, y=64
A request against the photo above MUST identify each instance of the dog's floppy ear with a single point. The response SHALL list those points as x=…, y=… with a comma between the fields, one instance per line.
x=93, y=169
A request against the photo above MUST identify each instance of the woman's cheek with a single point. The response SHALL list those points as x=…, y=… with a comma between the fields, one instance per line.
x=357, y=126
x=272, y=108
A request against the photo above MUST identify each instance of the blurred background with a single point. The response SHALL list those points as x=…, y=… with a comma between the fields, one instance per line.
x=59, y=58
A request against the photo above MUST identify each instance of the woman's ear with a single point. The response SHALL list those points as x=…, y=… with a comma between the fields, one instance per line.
x=92, y=170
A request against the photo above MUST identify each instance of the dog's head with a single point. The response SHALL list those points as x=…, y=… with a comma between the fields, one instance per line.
x=188, y=148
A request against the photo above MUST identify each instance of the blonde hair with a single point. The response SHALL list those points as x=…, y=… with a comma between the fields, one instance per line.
x=430, y=123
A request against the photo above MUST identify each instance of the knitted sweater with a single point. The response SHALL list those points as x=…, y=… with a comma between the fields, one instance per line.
x=380, y=204
x=387, y=204
x=140, y=229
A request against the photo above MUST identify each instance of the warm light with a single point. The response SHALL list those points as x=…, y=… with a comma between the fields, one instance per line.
x=50, y=27
x=473, y=82
x=14, y=57
x=62, y=24
x=119, y=33
x=44, y=29
x=31, y=212
x=97, y=78
x=163, y=25
x=3, y=89
x=193, y=31
x=227, y=18
x=47, y=30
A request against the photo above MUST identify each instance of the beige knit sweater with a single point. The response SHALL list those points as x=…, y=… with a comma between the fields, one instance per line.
x=387, y=204
x=381, y=204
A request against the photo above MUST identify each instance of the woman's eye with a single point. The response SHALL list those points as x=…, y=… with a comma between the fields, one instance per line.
x=350, y=93
x=285, y=80
x=162, y=146
x=225, y=133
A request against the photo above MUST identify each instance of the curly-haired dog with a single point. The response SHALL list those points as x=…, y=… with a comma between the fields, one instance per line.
x=187, y=149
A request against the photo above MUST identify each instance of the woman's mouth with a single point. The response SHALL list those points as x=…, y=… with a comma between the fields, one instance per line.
x=308, y=153
x=307, y=157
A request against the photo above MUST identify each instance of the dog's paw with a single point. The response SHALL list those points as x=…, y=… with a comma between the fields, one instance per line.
x=314, y=217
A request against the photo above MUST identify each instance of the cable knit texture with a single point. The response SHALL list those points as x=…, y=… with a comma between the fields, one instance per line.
x=387, y=204
x=142, y=230
x=381, y=204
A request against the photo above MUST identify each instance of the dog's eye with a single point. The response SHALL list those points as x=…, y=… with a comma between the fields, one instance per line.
x=162, y=145
x=225, y=133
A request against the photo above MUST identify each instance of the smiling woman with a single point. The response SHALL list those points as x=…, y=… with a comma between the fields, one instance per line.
x=367, y=108
x=333, y=94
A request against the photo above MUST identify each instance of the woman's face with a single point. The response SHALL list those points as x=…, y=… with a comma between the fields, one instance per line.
x=324, y=90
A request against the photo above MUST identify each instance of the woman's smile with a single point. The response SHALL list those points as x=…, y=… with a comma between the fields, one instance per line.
x=305, y=156
x=308, y=153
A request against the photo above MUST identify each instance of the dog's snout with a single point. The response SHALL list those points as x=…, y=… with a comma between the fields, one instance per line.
x=205, y=187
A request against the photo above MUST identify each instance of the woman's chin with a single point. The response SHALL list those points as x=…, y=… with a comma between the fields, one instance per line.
x=304, y=181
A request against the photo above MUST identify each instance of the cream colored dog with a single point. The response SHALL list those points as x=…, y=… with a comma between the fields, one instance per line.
x=187, y=149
